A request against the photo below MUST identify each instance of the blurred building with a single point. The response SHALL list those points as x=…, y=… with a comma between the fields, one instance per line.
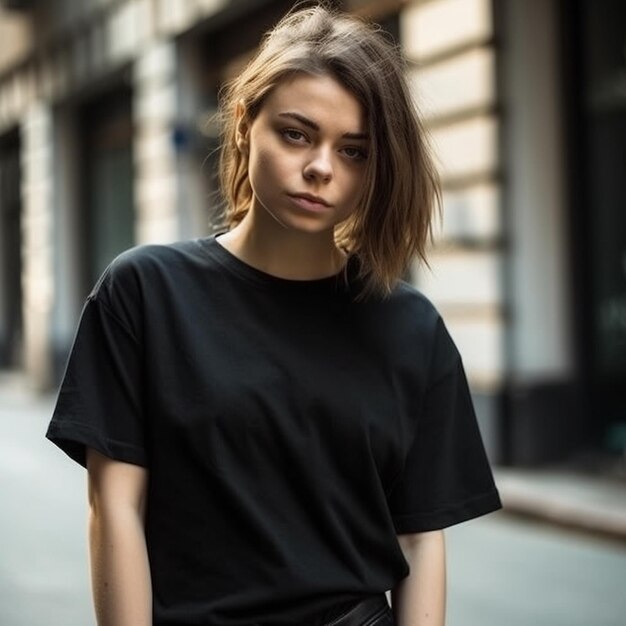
x=105, y=142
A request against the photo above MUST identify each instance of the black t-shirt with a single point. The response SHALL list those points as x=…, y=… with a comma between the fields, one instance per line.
x=290, y=431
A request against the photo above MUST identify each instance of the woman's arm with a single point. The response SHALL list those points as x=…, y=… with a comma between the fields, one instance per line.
x=120, y=574
x=420, y=598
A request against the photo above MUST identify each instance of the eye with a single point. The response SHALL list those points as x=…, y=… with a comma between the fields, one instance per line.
x=293, y=135
x=355, y=154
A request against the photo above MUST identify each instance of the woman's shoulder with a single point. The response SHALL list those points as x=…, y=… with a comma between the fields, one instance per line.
x=146, y=273
x=142, y=263
x=408, y=318
x=406, y=301
x=148, y=255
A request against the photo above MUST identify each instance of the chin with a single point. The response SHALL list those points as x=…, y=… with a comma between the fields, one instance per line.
x=303, y=224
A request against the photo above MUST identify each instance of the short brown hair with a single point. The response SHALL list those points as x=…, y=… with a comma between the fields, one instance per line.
x=393, y=222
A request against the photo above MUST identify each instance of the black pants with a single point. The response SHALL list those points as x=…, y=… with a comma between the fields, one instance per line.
x=373, y=611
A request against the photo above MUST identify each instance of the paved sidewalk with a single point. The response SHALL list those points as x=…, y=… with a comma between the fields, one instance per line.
x=593, y=504
x=43, y=518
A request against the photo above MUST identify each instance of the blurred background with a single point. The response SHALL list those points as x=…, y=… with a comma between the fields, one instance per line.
x=106, y=142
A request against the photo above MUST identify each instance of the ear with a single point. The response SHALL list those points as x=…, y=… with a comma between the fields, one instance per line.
x=242, y=126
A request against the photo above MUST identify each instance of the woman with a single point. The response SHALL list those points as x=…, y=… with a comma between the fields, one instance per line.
x=276, y=428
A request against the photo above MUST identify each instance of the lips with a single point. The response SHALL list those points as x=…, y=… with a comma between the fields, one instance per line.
x=309, y=202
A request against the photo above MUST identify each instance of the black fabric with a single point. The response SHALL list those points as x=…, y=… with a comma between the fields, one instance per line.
x=290, y=431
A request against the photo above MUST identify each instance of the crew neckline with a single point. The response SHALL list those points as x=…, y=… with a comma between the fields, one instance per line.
x=335, y=282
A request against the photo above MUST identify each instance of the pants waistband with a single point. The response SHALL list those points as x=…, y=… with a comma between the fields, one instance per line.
x=362, y=613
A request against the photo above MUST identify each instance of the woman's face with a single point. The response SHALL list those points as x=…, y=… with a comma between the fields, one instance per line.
x=307, y=152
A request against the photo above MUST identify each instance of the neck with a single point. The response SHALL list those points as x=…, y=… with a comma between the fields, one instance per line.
x=283, y=252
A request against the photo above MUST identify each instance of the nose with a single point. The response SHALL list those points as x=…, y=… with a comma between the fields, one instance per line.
x=319, y=165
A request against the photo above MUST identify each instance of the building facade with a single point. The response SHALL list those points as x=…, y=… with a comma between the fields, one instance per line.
x=106, y=141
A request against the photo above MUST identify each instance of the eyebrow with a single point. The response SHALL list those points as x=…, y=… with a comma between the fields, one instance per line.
x=311, y=124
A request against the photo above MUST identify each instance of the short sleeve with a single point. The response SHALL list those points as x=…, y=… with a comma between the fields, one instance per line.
x=446, y=478
x=99, y=403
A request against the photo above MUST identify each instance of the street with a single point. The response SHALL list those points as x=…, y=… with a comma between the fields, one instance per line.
x=502, y=571
x=43, y=570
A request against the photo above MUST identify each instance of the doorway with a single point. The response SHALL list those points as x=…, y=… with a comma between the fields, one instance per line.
x=108, y=218
x=11, y=324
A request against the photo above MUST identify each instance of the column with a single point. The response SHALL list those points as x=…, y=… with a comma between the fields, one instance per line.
x=543, y=410
x=452, y=71
x=37, y=242
x=155, y=114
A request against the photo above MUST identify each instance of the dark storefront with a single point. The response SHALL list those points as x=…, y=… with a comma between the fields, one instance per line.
x=107, y=213
x=10, y=263
x=595, y=71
